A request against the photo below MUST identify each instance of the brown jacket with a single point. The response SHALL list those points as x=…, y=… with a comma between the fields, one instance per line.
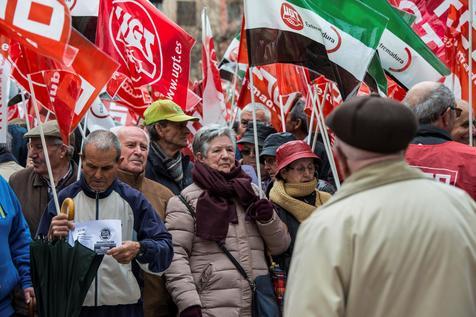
x=157, y=301
x=32, y=192
x=201, y=274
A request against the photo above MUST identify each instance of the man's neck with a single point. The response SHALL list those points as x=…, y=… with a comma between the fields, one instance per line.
x=168, y=149
x=59, y=172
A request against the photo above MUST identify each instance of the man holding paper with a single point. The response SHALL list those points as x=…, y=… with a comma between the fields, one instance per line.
x=99, y=195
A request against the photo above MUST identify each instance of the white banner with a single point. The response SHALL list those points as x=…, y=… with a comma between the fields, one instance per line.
x=5, y=69
x=83, y=7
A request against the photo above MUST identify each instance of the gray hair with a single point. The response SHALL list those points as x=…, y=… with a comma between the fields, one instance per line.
x=431, y=105
x=120, y=129
x=104, y=140
x=153, y=135
x=206, y=134
x=257, y=106
x=297, y=113
x=8, y=145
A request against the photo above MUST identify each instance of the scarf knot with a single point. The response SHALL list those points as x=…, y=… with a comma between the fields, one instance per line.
x=216, y=206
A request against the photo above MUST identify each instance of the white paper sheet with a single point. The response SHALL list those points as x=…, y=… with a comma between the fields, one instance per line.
x=97, y=235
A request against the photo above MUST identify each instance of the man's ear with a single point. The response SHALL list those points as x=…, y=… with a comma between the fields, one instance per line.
x=199, y=157
x=121, y=159
x=158, y=129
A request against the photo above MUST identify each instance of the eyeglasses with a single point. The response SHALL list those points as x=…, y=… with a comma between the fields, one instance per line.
x=303, y=169
x=457, y=111
x=39, y=146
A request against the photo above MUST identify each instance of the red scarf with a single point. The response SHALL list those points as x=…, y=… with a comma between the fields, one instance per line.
x=216, y=205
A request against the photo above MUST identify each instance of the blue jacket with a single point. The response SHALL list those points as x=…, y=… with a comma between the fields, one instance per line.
x=118, y=284
x=14, y=247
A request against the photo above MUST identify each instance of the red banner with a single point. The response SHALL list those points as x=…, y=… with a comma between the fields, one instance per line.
x=43, y=26
x=151, y=49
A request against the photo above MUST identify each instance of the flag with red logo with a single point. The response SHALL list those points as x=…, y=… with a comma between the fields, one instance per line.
x=151, y=49
x=268, y=85
x=93, y=67
x=42, y=25
x=63, y=88
x=324, y=36
x=214, y=108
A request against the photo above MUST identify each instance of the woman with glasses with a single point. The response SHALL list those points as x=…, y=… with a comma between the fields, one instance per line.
x=294, y=194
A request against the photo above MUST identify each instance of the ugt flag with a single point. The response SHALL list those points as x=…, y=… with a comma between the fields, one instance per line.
x=335, y=38
x=151, y=49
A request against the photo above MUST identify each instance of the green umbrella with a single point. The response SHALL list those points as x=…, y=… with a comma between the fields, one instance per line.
x=61, y=276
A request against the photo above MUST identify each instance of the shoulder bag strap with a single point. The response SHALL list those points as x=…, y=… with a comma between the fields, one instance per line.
x=187, y=204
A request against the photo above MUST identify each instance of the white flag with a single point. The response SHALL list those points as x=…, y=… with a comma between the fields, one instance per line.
x=5, y=69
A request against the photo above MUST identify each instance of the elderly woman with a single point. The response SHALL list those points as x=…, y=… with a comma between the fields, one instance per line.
x=294, y=194
x=226, y=208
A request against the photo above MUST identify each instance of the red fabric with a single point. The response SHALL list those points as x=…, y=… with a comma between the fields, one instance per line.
x=450, y=162
x=151, y=49
x=292, y=151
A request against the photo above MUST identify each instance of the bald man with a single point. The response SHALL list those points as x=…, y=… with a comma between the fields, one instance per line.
x=134, y=150
x=460, y=131
x=433, y=150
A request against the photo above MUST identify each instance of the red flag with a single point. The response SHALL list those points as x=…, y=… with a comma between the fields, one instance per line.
x=151, y=49
x=94, y=68
x=214, y=109
x=136, y=98
x=243, y=48
x=64, y=89
x=43, y=26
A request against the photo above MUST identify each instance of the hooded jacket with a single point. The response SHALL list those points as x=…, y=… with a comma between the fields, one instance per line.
x=115, y=283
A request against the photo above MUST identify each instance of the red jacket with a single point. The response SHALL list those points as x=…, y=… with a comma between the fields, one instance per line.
x=449, y=162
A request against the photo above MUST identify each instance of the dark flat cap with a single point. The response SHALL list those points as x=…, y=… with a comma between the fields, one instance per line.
x=374, y=124
x=263, y=130
x=273, y=141
x=50, y=129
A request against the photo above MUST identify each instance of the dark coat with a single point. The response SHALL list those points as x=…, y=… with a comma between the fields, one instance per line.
x=284, y=259
x=32, y=192
x=156, y=171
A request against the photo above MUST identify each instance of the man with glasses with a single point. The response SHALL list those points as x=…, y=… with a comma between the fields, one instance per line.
x=433, y=150
x=460, y=131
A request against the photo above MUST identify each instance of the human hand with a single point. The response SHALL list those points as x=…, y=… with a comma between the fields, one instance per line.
x=29, y=294
x=125, y=253
x=262, y=210
x=60, y=226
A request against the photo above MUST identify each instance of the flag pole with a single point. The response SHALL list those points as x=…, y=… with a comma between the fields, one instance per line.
x=255, y=134
x=317, y=125
x=25, y=109
x=470, y=74
x=281, y=108
x=43, y=143
x=311, y=121
x=233, y=89
x=83, y=137
x=325, y=136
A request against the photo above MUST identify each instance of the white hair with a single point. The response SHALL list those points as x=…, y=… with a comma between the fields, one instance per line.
x=257, y=106
x=120, y=129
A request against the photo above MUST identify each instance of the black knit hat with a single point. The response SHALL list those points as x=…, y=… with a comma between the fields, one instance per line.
x=273, y=141
x=263, y=131
x=374, y=124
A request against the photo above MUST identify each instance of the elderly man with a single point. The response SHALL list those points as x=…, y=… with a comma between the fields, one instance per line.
x=262, y=115
x=14, y=250
x=391, y=242
x=433, y=149
x=167, y=126
x=460, y=131
x=99, y=195
x=134, y=150
x=32, y=185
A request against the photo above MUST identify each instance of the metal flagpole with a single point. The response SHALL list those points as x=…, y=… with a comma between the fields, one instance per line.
x=317, y=125
x=43, y=143
x=470, y=73
x=83, y=136
x=255, y=134
x=311, y=121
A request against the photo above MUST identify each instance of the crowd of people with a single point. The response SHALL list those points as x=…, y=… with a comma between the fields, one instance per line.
x=398, y=238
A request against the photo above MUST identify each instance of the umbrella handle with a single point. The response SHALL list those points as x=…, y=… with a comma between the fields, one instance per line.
x=31, y=309
x=67, y=207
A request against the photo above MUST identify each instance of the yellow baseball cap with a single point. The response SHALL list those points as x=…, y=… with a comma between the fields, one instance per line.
x=165, y=109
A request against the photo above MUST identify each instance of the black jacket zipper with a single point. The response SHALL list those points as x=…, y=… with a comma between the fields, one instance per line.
x=96, y=279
